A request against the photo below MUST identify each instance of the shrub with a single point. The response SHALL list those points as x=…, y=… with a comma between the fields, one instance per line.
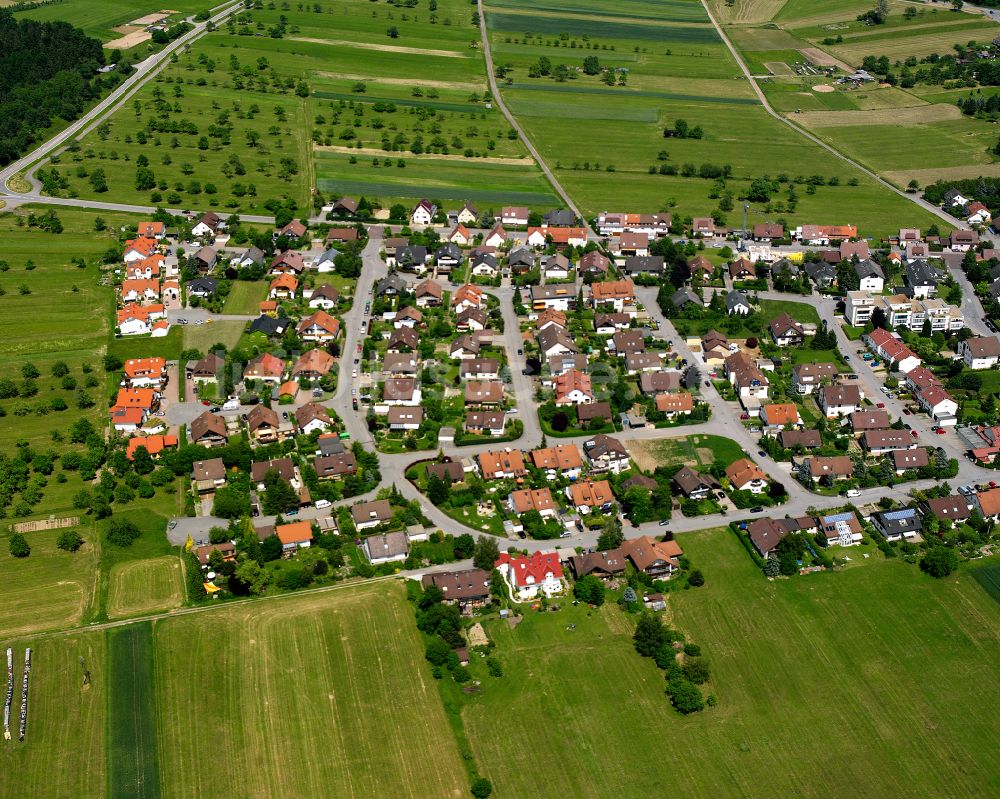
x=696, y=579
x=481, y=788
x=69, y=540
x=19, y=547
x=696, y=670
x=121, y=533
x=685, y=695
x=939, y=561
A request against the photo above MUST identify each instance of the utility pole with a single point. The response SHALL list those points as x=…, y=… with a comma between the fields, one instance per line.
x=746, y=207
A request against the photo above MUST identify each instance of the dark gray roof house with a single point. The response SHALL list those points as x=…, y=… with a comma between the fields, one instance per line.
x=390, y=286
x=269, y=325
x=868, y=268
x=685, y=296
x=559, y=218
x=822, y=274
x=410, y=256
x=645, y=264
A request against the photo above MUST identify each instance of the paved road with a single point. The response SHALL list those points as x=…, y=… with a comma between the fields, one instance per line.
x=143, y=72
x=498, y=99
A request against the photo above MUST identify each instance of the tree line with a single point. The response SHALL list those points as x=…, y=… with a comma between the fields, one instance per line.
x=48, y=70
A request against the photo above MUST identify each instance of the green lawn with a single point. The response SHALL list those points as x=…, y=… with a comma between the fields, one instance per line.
x=695, y=450
x=245, y=296
x=877, y=658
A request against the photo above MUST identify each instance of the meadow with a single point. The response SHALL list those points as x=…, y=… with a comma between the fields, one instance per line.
x=50, y=589
x=697, y=451
x=322, y=694
x=902, y=134
x=144, y=586
x=845, y=684
x=434, y=178
x=63, y=752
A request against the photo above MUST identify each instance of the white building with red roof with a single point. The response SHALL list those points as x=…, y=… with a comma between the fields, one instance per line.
x=528, y=575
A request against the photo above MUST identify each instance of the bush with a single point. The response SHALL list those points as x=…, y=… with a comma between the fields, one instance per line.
x=481, y=788
x=19, y=547
x=939, y=561
x=589, y=589
x=69, y=540
x=696, y=670
x=685, y=695
x=696, y=579
x=121, y=533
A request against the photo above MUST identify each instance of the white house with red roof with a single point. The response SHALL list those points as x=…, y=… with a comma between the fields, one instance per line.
x=891, y=349
x=528, y=575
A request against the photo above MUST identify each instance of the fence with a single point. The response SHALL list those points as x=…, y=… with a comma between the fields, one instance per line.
x=51, y=523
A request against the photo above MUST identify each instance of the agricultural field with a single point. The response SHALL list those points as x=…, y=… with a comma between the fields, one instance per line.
x=98, y=18
x=144, y=586
x=875, y=658
x=131, y=751
x=449, y=180
x=234, y=122
x=321, y=694
x=652, y=71
x=63, y=752
x=51, y=588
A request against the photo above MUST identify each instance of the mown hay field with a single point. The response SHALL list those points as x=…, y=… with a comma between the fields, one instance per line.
x=878, y=677
x=317, y=695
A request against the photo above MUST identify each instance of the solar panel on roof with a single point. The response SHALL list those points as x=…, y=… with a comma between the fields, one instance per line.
x=838, y=517
x=894, y=515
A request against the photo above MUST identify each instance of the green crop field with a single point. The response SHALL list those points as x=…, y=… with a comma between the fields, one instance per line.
x=63, y=752
x=144, y=586
x=49, y=589
x=437, y=178
x=876, y=677
x=668, y=75
x=132, y=741
x=326, y=694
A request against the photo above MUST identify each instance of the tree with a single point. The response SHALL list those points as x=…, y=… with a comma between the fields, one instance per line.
x=19, y=547
x=589, y=589
x=696, y=670
x=612, y=535
x=591, y=65
x=437, y=490
x=939, y=561
x=121, y=532
x=392, y=32
x=252, y=575
x=486, y=554
x=481, y=788
x=649, y=635
x=685, y=695
x=230, y=503
x=271, y=548
x=69, y=540
x=696, y=579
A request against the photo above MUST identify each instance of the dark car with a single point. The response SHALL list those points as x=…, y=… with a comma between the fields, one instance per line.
x=758, y=509
x=664, y=523
x=762, y=453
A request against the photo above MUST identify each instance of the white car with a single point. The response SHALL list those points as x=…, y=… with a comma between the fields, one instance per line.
x=354, y=373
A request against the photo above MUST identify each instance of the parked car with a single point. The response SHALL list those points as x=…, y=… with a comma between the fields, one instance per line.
x=664, y=523
x=879, y=404
x=906, y=411
x=762, y=453
x=939, y=430
x=853, y=492
x=758, y=509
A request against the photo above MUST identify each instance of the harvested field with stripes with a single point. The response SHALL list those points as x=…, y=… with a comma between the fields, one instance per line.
x=321, y=695
x=144, y=586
